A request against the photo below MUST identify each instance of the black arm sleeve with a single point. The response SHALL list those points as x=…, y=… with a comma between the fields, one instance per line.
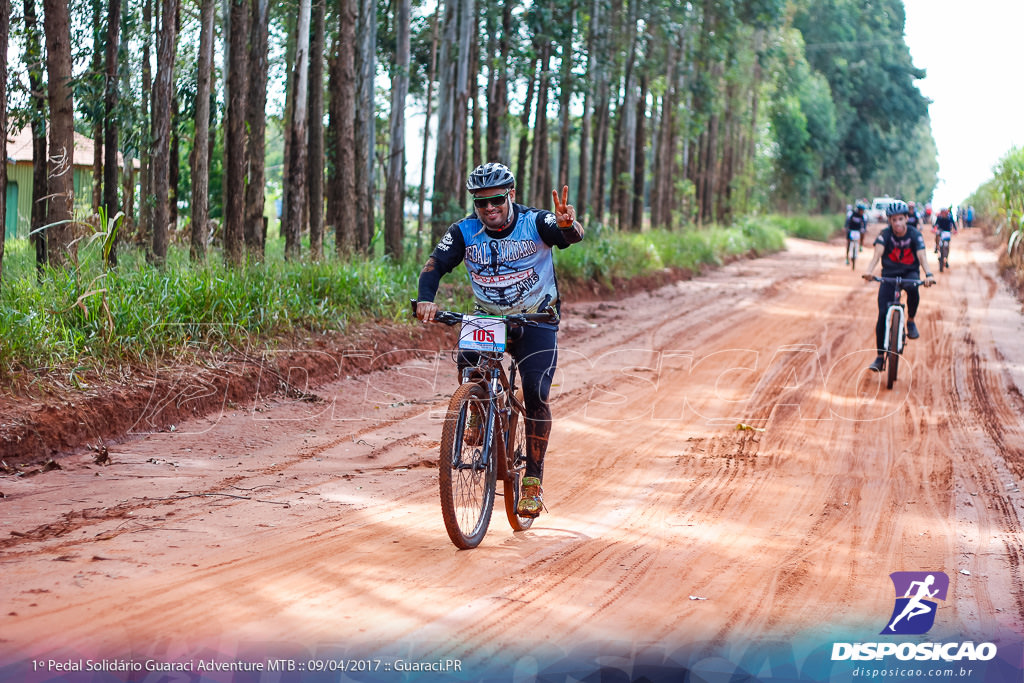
x=446, y=255
x=555, y=236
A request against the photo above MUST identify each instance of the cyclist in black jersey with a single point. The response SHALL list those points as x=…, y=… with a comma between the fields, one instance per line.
x=943, y=223
x=903, y=253
x=856, y=222
x=913, y=219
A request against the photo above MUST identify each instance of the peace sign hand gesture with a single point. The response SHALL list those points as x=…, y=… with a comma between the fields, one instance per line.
x=565, y=213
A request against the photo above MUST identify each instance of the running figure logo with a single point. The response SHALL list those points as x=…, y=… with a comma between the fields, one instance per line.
x=916, y=594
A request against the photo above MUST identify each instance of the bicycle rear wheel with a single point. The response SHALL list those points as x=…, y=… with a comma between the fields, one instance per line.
x=515, y=456
x=466, y=472
x=943, y=255
x=893, y=357
x=853, y=255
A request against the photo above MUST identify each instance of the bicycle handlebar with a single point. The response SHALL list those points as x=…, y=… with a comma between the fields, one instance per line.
x=900, y=281
x=548, y=315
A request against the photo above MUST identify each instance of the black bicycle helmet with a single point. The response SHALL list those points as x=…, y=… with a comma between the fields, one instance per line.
x=490, y=175
x=896, y=208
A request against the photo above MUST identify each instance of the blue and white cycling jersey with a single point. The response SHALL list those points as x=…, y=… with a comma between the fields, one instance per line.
x=513, y=274
x=511, y=271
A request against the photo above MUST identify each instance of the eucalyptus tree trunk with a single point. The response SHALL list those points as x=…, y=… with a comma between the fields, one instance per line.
x=174, y=170
x=365, y=122
x=495, y=68
x=291, y=31
x=60, y=156
x=5, y=27
x=540, y=172
x=450, y=158
x=200, y=160
x=500, y=112
x=145, y=150
x=343, y=98
x=96, y=76
x=235, y=138
x=298, y=170
x=663, y=172
x=256, y=125
x=34, y=67
x=583, y=189
x=565, y=97
x=110, y=132
x=426, y=136
x=316, y=132
x=625, y=135
x=639, y=158
x=523, y=158
x=474, y=96
x=394, y=197
x=162, y=105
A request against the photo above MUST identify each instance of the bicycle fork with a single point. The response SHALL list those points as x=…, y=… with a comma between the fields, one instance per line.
x=894, y=316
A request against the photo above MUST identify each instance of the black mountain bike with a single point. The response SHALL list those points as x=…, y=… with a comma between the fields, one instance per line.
x=895, y=327
x=483, y=440
x=945, y=236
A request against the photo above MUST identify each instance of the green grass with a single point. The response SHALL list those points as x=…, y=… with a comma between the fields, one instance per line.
x=607, y=256
x=87, y=318
x=820, y=227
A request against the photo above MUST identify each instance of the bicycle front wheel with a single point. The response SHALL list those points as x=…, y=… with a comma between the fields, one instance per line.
x=515, y=456
x=893, y=359
x=466, y=468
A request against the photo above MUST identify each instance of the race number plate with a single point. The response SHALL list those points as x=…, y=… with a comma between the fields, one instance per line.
x=945, y=235
x=482, y=333
x=854, y=235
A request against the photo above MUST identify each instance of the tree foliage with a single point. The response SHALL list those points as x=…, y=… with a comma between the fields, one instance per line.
x=654, y=111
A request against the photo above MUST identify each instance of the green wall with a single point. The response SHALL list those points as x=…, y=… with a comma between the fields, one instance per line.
x=17, y=221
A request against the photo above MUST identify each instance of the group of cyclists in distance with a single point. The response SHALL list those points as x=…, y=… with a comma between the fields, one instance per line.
x=901, y=249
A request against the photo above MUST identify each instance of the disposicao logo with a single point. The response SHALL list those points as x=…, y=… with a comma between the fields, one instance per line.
x=916, y=601
x=917, y=596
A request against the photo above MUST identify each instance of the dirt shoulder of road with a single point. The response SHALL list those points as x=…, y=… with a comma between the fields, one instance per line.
x=46, y=416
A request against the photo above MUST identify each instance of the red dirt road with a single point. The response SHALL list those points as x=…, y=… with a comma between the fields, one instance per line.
x=291, y=528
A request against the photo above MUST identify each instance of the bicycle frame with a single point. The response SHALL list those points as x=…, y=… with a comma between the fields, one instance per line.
x=896, y=312
x=499, y=387
x=469, y=470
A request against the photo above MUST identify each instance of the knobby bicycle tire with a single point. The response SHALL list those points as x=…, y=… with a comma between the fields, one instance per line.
x=893, y=361
x=943, y=255
x=853, y=255
x=515, y=457
x=467, y=485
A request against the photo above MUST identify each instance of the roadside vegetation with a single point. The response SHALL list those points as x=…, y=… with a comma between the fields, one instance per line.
x=93, y=319
x=999, y=208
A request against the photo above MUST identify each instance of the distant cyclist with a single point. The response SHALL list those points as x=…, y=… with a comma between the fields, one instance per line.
x=506, y=247
x=943, y=224
x=902, y=252
x=913, y=218
x=856, y=228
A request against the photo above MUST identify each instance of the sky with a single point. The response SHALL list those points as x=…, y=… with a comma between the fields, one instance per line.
x=971, y=51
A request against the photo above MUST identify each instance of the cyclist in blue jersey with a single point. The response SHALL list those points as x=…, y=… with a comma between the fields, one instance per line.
x=507, y=249
x=903, y=253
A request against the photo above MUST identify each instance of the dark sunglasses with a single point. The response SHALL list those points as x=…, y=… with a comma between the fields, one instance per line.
x=496, y=200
